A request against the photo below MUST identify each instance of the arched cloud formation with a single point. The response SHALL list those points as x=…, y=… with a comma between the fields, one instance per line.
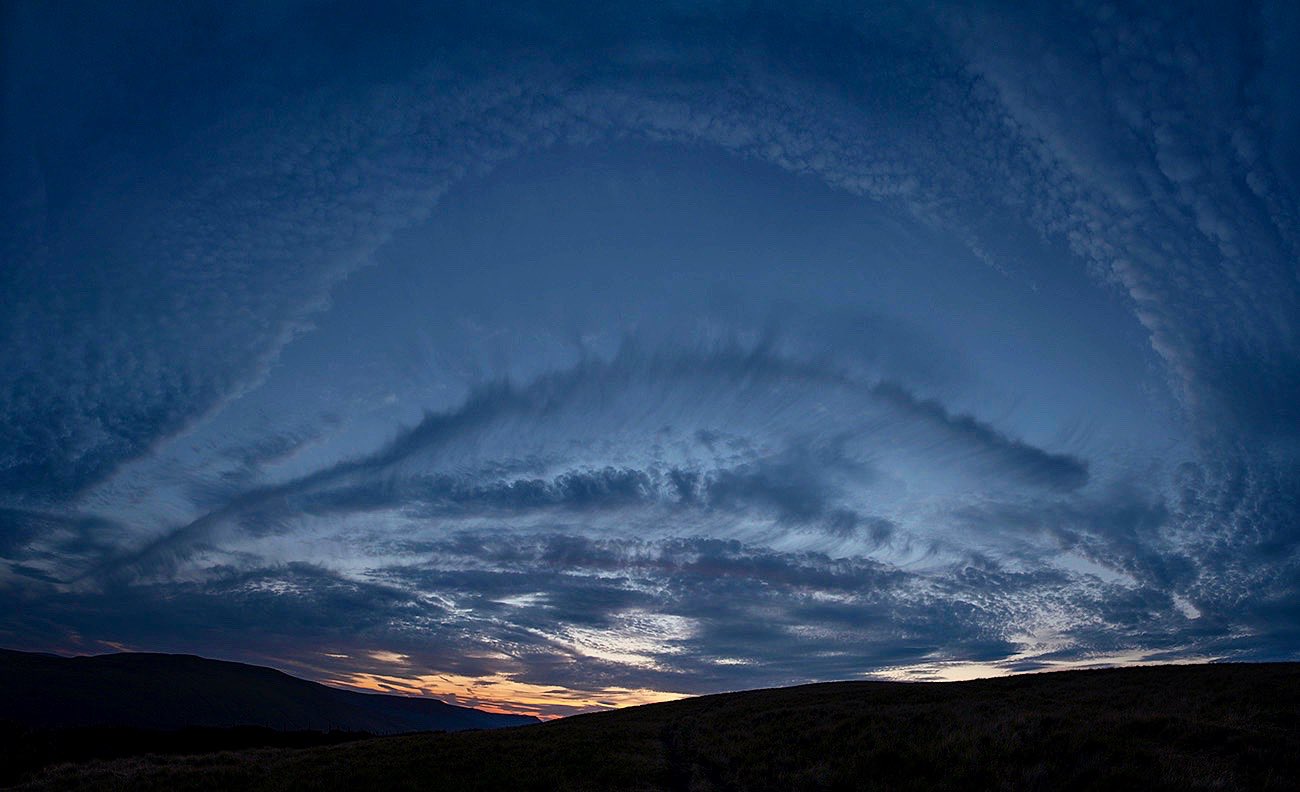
x=611, y=487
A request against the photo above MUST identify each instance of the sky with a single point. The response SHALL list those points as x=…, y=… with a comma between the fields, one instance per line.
x=551, y=357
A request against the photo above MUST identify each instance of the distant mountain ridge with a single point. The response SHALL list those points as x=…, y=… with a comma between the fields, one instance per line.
x=167, y=692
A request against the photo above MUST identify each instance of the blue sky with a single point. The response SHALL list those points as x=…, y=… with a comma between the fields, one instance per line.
x=547, y=358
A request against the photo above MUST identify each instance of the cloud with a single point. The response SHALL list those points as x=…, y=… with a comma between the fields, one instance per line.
x=147, y=290
x=1168, y=212
x=285, y=606
x=1123, y=529
x=56, y=544
x=280, y=204
x=608, y=413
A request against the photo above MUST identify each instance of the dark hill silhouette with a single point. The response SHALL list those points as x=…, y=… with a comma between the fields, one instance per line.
x=170, y=692
x=1221, y=727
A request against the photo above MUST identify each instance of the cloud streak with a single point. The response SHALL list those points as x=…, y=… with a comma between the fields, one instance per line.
x=742, y=385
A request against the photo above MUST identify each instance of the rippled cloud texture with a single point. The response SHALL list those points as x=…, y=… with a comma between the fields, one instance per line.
x=548, y=358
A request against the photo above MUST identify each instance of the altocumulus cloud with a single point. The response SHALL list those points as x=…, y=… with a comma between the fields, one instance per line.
x=682, y=516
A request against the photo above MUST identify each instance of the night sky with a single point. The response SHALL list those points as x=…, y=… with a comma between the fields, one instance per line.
x=549, y=357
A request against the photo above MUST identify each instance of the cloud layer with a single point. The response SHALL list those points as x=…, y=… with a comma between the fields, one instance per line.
x=697, y=499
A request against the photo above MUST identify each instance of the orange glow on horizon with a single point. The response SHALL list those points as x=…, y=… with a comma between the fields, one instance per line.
x=501, y=694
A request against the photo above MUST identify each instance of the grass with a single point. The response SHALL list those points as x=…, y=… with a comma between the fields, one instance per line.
x=1220, y=727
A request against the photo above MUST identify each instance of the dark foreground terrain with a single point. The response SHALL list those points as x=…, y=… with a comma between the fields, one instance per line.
x=139, y=690
x=72, y=709
x=1186, y=727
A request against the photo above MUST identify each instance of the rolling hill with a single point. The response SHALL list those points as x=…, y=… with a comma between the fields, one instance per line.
x=169, y=692
x=1223, y=727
